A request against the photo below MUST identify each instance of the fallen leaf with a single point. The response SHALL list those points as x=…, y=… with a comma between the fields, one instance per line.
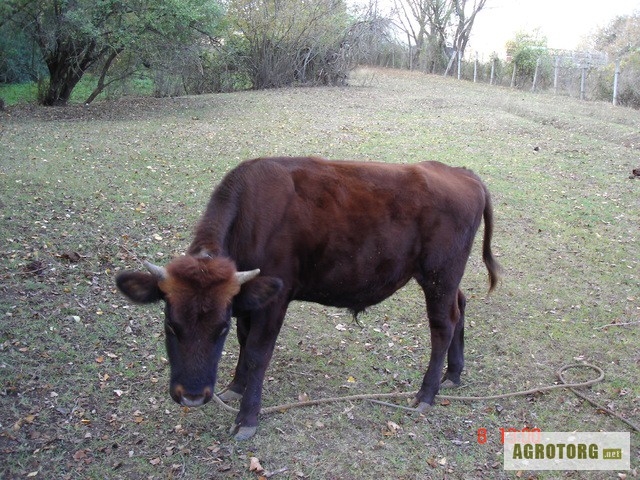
x=254, y=465
x=341, y=327
x=32, y=474
x=79, y=455
x=99, y=359
x=155, y=461
x=443, y=461
x=351, y=380
x=393, y=427
x=303, y=397
x=73, y=257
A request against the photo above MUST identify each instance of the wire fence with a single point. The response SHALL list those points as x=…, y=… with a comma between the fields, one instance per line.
x=587, y=76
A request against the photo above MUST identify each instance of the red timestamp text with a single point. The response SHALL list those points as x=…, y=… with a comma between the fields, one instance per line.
x=524, y=435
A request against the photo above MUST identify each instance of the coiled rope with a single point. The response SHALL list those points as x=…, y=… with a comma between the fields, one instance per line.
x=375, y=397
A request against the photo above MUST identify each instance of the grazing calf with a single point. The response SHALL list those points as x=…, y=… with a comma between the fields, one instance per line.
x=344, y=234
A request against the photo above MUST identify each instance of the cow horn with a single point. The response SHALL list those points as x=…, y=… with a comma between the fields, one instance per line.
x=243, y=277
x=159, y=272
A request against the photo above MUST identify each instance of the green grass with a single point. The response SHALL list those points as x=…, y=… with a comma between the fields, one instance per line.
x=84, y=378
x=16, y=93
x=24, y=93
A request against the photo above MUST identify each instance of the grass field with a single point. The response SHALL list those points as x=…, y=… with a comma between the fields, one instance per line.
x=25, y=93
x=88, y=191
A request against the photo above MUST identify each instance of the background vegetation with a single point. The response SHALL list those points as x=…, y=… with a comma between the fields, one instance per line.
x=88, y=191
x=175, y=47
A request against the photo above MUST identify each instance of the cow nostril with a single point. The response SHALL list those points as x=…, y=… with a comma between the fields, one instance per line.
x=189, y=400
x=177, y=391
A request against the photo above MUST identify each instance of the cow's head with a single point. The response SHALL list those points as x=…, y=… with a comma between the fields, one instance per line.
x=198, y=293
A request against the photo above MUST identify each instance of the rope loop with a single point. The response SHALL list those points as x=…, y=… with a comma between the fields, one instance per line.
x=374, y=397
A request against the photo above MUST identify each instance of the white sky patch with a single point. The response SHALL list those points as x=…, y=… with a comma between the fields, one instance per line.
x=565, y=23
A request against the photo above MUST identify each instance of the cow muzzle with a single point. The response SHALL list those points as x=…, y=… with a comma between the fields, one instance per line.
x=190, y=399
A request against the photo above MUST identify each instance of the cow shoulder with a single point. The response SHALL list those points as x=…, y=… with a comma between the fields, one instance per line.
x=256, y=294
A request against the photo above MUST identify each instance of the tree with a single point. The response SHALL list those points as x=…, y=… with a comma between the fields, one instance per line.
x=291, y=40
x=620, y=40
x=525, y=49
x=74, y=36
x=466, y=15
x=431, y=25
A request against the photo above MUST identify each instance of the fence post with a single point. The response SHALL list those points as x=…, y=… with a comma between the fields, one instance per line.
x=616, y=77
x=459, y=67
x=583, y=81
x=513, y=76
x=475, y=69
x=535, y=75
x=555, y=75
x=493, y=71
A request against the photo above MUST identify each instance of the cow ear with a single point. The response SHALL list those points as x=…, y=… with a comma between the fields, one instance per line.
x=139, y=287
x=256, y=294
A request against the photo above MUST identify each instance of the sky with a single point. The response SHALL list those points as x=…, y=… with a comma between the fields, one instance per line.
x=565, y=23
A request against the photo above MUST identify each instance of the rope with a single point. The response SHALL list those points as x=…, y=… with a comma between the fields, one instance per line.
x=375, y=396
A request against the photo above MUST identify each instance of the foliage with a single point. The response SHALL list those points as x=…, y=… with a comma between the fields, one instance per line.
x=629, y=81
x=17, y=60
x=526, y=50
x=74, y=37
x=620, y=38
x=287, y=41
x=621, y=41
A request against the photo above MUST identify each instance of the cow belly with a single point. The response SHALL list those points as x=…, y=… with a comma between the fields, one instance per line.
x=351, y=298
x=353, y=284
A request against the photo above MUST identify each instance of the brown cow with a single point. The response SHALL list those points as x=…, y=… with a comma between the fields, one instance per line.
x=344, y=234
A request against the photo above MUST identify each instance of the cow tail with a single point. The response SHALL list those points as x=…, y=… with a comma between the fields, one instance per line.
x=493, y=267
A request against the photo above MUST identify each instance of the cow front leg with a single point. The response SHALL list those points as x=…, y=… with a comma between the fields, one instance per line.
x=455, y=359
x=235, y=389
x=443, y=313
x=260, y=343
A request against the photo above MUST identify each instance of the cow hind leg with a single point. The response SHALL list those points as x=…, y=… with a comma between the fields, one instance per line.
x=455, y=359
x=444, y=313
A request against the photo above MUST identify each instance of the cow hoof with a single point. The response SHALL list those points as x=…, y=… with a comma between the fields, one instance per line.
x=449, y=384
x=229, y=395
x=244, y=433
x=423, y=407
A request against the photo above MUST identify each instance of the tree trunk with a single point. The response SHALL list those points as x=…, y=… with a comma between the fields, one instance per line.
x=62, y=81
x=101, y=85
x=67, y=64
